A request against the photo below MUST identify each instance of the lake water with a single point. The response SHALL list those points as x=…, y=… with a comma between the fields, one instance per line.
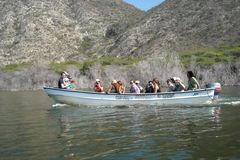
x=31, y=128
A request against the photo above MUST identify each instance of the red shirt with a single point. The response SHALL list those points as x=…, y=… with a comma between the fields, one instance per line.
x=99, y=88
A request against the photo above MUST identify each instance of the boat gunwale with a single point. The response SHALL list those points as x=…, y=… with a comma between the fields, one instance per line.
x=130, y=94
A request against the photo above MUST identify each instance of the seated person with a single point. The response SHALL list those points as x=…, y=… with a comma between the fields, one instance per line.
x=149, y=87
x=121, y=87
x=67, y=82
x=170, y=85
x=116, y=87
x=98, y=86
x=72, y=84
x=134, y=88
x=192, y=81
x=179, y=86
x=63, y=81
x=156, y=85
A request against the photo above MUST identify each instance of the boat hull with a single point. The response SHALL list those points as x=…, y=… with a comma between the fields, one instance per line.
x=196, y=97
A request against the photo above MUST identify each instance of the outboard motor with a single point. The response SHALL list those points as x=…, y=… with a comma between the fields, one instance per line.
x=217, y=88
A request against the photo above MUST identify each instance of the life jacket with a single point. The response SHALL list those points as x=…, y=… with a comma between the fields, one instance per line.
x=98, y=89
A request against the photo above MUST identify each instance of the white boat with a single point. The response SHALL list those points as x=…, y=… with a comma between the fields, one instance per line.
x=77, y=97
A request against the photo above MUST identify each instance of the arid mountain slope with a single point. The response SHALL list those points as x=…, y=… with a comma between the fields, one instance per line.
x=178, y=25
x=43, y=31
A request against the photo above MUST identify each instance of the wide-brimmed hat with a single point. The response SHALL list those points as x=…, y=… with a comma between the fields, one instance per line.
x=97, y=80
x=177, y=79
x=114, y=81
x=137, y=81
x=65, y=72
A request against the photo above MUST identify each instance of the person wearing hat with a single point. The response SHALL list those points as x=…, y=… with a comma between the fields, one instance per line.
x=116, y=87
x=63, y=81
x=149, y=87
x=98, y=86
x=179, y=86
x=134, y=88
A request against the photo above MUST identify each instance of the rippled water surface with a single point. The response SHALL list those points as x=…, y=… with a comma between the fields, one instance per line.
x=31, y=128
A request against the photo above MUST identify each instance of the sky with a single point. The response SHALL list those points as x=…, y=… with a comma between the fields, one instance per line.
x=144, y=4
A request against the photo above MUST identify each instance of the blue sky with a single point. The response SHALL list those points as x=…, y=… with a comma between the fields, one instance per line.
x=144, y=4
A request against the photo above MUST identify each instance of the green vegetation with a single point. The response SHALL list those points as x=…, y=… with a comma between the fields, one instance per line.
x=208, y=57
x=118, y=61
x=59, y=67
x=86, y=65
x=11, y=68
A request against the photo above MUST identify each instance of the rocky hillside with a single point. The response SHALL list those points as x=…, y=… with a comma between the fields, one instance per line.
x=101, y=38
x=56, y=30
x=59, y=30
x=178, y=25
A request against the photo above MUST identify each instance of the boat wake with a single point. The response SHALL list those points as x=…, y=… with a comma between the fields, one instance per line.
x=228, y=101
x=57, y=105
